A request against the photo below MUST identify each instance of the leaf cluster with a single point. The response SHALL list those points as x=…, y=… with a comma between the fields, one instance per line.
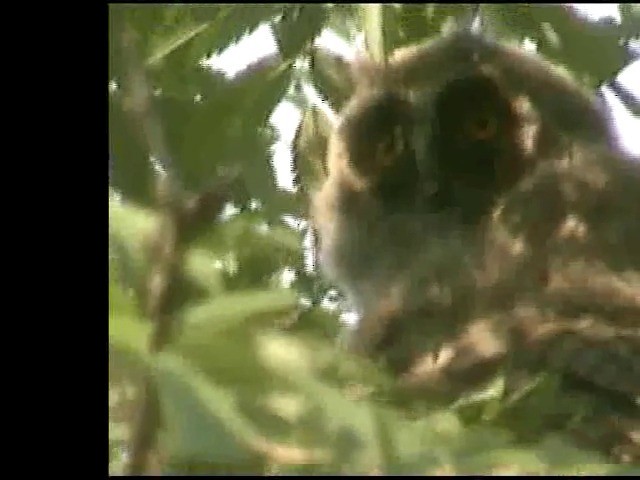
x=255, y=380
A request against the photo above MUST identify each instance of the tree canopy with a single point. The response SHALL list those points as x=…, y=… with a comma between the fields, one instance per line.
x=224, y=343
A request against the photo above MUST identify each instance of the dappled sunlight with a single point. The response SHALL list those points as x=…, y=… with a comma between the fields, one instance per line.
x=417, y=293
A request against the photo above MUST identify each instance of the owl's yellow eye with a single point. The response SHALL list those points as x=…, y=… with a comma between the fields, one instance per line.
x=392, y=148
x=482, y=128
x=386, y=154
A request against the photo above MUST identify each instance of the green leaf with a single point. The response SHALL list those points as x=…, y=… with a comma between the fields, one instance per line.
x=238, y=20
x=374, y=31
x=286, y=354
x=344, y=20
x=116, y=24
x=130, y=228
x=129, y=221
x=512, y=21
x=217, y=337
x=171, y=41
x=126, y=330
x=630, y=19
x=503, y=461
x=347, y=426
x=283, y=237
x=423, y=445
x=317, y=321
x=414, y=22
x=563, y=37
x=248, y=230
x=383, y=29
x=334, y=417
x=581, y=42
x=226, y=129
x=129, y=359
x=564, y=457
x=443, y=15
x=201, y=267
x=279, y=361
x=121, y=301
x=190, y=31
x=131, y=171
x=125, y=276
x=254, y=252
x=298, y=27
x=230, y=309
x=331, y=77
x=209, y=424
x=202, y=421
x=228, y=357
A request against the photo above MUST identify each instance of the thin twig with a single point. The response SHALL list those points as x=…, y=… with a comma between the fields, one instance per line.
x=166, y=261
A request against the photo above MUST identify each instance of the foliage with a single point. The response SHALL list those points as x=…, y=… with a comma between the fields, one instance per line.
x=254, y=380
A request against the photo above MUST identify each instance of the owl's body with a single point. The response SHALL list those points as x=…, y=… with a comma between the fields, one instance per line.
x=475, y=203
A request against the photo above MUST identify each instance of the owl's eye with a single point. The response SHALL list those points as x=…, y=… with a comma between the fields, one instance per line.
x=482, y=127
x=392, y=148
